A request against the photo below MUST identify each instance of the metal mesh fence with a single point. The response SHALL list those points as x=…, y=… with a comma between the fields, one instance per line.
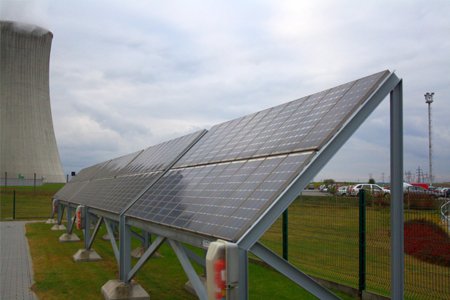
x=27, y=202
x=324, y=241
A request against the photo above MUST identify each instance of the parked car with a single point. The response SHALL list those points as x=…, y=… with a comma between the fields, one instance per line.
x=387, y=189
x=443, y=192
x=311, y=186
x=342, y=191
x=417, y=192
x=424, y=185
x=432, y=189
x=371, y=188
x=349, y=190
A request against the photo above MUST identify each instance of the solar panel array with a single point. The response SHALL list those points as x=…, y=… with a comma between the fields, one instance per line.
x=232, y=174
x=113, y=184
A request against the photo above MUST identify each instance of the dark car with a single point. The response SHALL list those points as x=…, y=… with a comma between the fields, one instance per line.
x=311, y=186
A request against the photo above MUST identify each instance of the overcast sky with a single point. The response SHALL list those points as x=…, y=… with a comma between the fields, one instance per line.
x=125, y=75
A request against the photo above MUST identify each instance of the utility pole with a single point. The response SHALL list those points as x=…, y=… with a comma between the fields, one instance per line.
x=419, y=175
x=429, y=100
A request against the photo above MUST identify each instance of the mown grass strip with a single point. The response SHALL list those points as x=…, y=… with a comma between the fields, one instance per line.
x=57, y=276
x=28, y=205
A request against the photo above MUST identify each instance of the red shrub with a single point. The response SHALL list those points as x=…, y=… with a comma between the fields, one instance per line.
x=427, y=241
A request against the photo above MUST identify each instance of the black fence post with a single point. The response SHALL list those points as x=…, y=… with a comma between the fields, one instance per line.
x=362, y=242
x=285, y=234
x=14, y=205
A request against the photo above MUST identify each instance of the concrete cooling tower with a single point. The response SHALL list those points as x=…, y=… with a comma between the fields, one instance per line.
x=28, y=143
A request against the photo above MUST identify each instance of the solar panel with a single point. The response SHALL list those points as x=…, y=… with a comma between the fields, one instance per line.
x=89, y=172
x=114, y=166
x=204, y=199
x=228, y=179
x=231, y=175
x=161, y=156
x=300, y=125
x=69, y=190
x=113, y=184
x=113, y=194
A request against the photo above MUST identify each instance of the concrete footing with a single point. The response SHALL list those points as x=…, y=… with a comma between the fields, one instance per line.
x=115, y=290
x=139, y=251
x=190, y=288
x=59, y=227
x=86, y=255
x=51, y=221
x=69, y=238
x=105, y=237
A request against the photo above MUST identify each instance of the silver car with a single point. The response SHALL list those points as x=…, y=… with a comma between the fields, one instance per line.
x=342, y=191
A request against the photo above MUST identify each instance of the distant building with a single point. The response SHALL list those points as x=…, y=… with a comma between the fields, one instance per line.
x=28, y=143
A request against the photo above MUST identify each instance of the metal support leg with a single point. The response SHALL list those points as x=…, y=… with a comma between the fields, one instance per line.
x=87, y=230
x=397, y=239
x=124, y=251
x=243, y=274
x=146, y=242
x=69, y=219
x=60, y=209
x=204, y=257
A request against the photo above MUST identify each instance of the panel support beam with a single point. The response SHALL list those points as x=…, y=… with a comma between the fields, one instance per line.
x=143, y=260
x=291, y=272
x=113, y=241
x=88, y=245
x=189, y=270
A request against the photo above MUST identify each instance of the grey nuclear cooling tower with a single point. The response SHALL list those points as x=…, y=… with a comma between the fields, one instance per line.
x=28, y=143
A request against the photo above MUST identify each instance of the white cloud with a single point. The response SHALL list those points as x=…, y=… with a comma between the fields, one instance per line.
x=126, y=75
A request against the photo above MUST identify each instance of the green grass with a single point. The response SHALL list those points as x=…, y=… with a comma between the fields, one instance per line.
x=323, y=241
x=57, y=276
x=28, y=204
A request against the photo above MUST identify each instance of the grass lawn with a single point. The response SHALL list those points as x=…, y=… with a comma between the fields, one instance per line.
x=29, y=206
x=57, y=276
x=323, y=241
